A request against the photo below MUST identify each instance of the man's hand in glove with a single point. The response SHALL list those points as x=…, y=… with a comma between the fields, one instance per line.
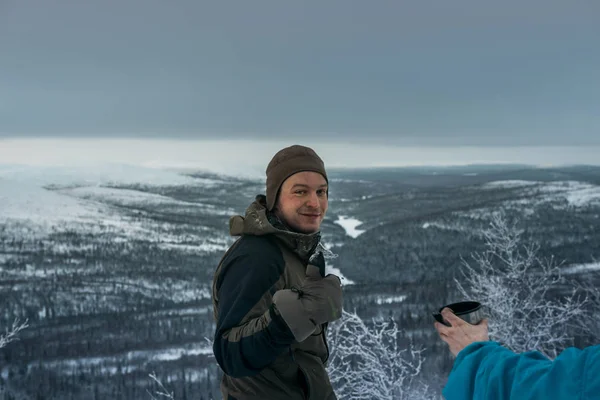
x=316, y=301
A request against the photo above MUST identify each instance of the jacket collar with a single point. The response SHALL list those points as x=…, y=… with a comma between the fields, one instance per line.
x=258, y=222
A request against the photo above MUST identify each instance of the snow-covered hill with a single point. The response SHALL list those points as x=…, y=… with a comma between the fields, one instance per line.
x=577, y=194
x=38, y=201
x=25, y=200
x=88, y=175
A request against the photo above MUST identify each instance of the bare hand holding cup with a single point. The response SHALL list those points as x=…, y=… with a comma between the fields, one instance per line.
x=461, y=334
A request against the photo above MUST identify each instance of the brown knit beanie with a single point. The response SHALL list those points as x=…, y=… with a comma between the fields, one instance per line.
x=286, y=163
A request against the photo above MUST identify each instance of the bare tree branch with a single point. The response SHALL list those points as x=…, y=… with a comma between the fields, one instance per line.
x=514, y=283
x=12, y=334
x=162, y=391
x=368, y=363
x=590, y=326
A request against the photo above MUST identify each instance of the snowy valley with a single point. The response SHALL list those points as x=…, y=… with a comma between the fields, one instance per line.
x=112, y=266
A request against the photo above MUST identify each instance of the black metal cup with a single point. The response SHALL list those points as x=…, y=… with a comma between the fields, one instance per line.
x=469, y=311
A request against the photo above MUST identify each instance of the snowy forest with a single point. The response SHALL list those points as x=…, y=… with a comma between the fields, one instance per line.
x=105, y=279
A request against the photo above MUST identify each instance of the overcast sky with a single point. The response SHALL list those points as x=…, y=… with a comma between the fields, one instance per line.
x=463, y=72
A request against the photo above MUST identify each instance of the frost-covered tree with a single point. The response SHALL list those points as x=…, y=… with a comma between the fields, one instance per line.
x=12, y=333
x=590, y=326
x=594, y=326
x=514, y=285
x=160, y=391
x=368, y=363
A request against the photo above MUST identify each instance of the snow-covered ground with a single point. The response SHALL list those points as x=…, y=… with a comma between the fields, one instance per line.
x=390, y=300
x=33, y=212
x=121, y=196
x=350, y=224
x=38, y=201
x=26, y=201
x=583, y=195
x=509, y=184
x=559, y=195
x=130, y=197
x=101, y=174
x=441, y=226
x=135, y=360
x=581, y=268
x=205, y=246
x=577, y=194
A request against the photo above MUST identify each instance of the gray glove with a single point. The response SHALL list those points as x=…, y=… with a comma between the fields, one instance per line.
x=316, y=301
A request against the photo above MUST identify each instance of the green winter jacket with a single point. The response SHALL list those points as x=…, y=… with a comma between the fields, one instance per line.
x=253, y=345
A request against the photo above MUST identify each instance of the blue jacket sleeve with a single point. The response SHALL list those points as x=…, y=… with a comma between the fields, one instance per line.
x=488, y=371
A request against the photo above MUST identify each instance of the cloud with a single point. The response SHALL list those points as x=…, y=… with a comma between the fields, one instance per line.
x=458, y=73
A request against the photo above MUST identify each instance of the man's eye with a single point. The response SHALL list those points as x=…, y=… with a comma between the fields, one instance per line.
x=300, y=191
x=321, y=192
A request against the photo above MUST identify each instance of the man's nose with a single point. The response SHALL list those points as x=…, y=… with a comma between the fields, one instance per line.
x=313, y=200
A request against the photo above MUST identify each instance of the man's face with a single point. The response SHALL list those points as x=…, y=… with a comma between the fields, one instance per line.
x=302, y=201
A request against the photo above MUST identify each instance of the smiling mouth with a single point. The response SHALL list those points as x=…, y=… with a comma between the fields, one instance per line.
x=312, y=215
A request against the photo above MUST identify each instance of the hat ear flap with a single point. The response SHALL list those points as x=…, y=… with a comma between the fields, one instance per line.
x=275, y=200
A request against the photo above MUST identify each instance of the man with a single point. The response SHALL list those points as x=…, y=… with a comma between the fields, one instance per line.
x=487, y=371
x=271, y=298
